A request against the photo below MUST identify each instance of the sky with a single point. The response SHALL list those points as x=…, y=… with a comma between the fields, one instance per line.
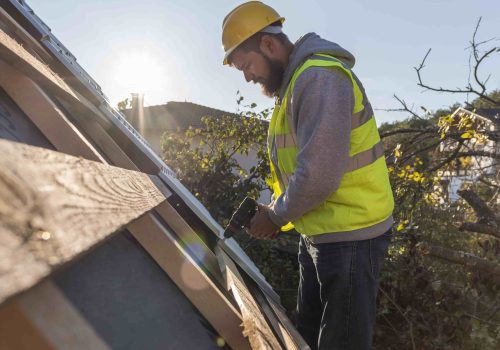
x=171, y=50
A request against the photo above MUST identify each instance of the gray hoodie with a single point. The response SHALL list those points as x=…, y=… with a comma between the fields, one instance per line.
x=321, y=107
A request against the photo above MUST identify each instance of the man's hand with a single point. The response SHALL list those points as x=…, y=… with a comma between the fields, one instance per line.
x=261, y=226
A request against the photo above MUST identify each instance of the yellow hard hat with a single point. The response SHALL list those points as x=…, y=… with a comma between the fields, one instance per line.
x=243, y=22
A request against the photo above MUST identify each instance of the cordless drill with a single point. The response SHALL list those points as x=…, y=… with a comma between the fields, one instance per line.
x=241, y=217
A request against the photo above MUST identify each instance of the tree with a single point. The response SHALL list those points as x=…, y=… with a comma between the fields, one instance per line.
x=203, y=159
x=442, y=283
x=124, y=104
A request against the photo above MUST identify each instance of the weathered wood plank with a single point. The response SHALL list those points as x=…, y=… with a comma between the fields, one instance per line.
x=15, y=54
x=274, y=313
x=12, y=28
x=287, y=325
x=190, y=279
x=53, y=207
x=257, y=328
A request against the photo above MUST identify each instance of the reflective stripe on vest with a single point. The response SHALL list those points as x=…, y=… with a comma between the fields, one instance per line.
x=357, y=161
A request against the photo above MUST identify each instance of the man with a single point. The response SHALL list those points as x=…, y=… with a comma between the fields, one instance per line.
x=330, y=179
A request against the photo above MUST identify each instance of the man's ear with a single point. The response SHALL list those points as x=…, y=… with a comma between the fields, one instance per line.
x=269, y=45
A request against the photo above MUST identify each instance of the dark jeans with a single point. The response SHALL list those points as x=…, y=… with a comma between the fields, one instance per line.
x=338, y=285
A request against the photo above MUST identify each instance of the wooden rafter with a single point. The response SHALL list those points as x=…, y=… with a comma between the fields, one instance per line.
x=54, y=207
x=161, y=244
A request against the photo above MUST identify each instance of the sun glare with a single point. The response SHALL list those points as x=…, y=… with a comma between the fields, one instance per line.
x=142, y=73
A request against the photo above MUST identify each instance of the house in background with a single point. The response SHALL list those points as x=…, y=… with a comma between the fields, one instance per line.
x=152, y=121
x=468, y=169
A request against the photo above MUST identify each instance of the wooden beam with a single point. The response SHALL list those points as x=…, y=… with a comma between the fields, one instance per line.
x=16, y=126
x=18, y=332
x=270, y=311
x=43, y=318
x=191, y=279
x=257, y=327
x=191, y=240
x=24, y=15
x=23, y=66
x=58, y=320
x=85, y=119
x=54, y=206
x=20, y=58
x=287, y=326
x=35, y=103
x=14, y=29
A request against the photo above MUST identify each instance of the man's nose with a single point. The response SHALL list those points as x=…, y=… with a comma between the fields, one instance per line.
x=248, y=76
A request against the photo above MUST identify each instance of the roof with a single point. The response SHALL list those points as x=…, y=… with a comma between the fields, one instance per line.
x=103, y=159
x=492, y=114
x=487, y=115
x=177, y=115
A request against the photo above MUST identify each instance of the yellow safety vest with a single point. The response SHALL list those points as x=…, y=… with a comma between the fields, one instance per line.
x=364, y=197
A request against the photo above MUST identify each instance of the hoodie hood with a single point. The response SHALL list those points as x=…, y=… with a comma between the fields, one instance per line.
x=311, y=44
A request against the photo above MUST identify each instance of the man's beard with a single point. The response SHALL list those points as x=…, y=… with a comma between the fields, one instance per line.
x=272, y=84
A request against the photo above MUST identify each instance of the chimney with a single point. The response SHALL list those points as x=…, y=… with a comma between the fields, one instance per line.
x=137, y=119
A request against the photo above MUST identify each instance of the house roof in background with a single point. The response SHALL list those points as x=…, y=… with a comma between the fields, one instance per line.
x=492, y=114
x=177, y=115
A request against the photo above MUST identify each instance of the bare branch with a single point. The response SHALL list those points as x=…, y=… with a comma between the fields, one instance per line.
x=407, y=130
x=468, y=260
x=406, y=108
x=476, y=30
x=480, y=228
x=469, y=88
x=453, y=156
x=480, y=207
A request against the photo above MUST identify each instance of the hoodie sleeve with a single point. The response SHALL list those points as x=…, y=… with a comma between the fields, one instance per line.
x=321, y=106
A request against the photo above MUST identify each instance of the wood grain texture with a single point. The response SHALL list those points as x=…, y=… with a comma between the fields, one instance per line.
x=53, y=207
x=287, y=326
x=257, y=328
